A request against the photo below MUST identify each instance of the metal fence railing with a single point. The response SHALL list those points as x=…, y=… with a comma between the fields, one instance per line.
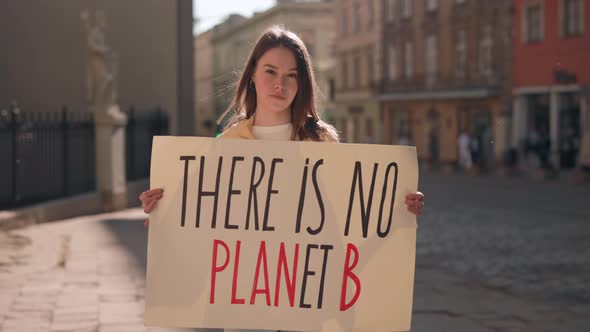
x=45, y=155
x=50, y=155
x=141, y=127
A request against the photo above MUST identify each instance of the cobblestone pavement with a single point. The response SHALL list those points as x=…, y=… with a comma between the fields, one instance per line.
x=512, y=234
x=74, y=275
x=492, y=256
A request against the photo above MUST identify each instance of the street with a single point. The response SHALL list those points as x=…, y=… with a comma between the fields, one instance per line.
x=493, y=254
x=511, y=234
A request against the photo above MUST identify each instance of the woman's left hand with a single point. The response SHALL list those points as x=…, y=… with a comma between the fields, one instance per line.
x=415, y=202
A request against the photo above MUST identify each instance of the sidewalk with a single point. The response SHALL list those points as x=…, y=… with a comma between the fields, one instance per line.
x=87, y=274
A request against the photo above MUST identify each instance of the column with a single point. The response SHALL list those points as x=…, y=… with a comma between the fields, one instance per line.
x=519, y=127
x=554, y=128
x=111, y=182
x=584, y=155
x=516, y=116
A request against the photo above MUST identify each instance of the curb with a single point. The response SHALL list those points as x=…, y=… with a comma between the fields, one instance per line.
x=83, y=204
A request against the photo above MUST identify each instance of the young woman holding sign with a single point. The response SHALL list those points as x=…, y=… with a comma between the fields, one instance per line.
x=275, y=100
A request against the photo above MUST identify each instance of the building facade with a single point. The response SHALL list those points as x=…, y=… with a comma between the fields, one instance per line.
x=551, y=81
x=233, y=40
x=358, y=56
x=44, y=55
x=446, y=66
x=204, y=102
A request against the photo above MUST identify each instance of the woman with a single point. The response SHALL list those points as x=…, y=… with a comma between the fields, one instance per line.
x=276, y=100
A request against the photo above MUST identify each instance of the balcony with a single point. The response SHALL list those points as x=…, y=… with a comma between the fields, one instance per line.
x=418, y=87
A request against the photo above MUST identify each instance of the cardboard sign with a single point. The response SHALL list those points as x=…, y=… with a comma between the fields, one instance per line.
x=271, y=235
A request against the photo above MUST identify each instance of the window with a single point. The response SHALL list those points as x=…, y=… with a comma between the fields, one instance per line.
x=486, y=45
x=308, y=38
x=461, y=53
x=356, y=63
x=369, y=131
x=431, y=59
x=331, y=89
x=344, y=72
x=431, y=5
x=533, y=23
x=344, y=130
x=393, y=72
x=572, y=17
x=357, y=17
x=391, y=10
x=310, y=48
x=370, y=13
x=407, y=8
x=344, y=27
x=409, y=59
x=370, y=66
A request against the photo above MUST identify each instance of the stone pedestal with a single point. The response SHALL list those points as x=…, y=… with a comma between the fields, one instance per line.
x=111, y=181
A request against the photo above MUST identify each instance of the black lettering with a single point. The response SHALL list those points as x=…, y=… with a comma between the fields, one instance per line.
x=319, y=197
x=301, y=197
x=184, y=187
x=306, y=273
x=252, y=192
x=270, y=191
x=379, y=232
x=326, y=248
x=214, y=193
x=231, y=192
x=365, y=210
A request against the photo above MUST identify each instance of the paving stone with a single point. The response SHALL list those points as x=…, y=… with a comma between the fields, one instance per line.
x=445, y=323
x=44, y=315
x=472, y=263
x=25, y=325
x=122, y=328
x=75, y=326
x=121, y=313
x=87, y=309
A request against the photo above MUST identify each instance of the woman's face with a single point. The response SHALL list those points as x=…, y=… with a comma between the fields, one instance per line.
x=275, y=80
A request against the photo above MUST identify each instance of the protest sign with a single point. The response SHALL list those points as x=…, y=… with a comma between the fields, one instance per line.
x=271, y=235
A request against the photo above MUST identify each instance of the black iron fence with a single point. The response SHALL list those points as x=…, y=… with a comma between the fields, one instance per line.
x=49, y=155
x=44, y=155
x=141, y=127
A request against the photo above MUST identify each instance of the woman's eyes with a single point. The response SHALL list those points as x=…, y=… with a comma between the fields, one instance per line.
x=272, y=72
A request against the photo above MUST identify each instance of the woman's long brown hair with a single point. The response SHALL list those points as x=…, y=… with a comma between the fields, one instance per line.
x=304, y=117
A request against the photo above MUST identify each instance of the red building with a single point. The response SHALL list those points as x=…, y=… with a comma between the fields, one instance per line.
x=550, y=79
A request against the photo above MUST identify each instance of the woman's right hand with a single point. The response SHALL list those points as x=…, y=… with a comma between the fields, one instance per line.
x=149, y=199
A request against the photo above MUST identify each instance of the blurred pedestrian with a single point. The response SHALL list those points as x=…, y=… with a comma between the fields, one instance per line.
x=464, y=144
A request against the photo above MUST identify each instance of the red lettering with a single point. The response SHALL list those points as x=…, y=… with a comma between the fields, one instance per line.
x=234, y=285
x=290, y=281
x=215, y=268
x=261, y=259
x=349, y=274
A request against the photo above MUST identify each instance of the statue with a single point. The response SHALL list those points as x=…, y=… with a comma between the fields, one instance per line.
x=101, y=65
x=109, y=120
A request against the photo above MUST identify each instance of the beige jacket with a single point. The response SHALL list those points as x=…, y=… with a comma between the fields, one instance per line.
x=243, y=130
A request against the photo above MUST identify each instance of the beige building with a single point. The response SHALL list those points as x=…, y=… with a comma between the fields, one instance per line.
x=44, y=52
x=234, y=39
x=358, y=69
x=447, y=66
x=204, y=99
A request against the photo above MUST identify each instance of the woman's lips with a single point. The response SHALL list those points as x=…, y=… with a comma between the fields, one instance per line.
x=278, y=97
